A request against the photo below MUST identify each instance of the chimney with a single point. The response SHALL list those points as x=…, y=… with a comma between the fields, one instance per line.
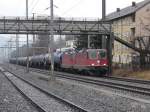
x=133, y=4
x=118, y=9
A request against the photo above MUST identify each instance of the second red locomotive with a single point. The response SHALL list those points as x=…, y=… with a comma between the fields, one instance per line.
x=90, y=60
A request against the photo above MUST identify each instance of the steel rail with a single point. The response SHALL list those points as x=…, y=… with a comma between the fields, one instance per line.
x=126, y=87
x=111, y=84
x=40, y=109
x=71, y=104
x=141, y=81
x=132, y=80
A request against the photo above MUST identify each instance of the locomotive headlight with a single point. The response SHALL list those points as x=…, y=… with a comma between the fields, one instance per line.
x=93, y=64
x=104, y=64
x=98, y=61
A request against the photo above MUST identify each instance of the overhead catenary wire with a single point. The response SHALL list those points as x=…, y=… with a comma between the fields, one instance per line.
x=72, y=7
x=32, y=3
x=34, y=6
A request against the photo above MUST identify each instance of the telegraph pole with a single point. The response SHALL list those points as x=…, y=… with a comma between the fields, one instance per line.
x=17, y=49
x=5, y=53
x=11, y=48
x=103, y=9
x=103, y=18
x=107, y=43
x=33, y=37
x=89, y=42
x=27, y=69
x=8, y=52
x=51, y=41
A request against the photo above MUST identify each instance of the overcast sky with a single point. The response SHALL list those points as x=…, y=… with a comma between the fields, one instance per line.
x=65, y=8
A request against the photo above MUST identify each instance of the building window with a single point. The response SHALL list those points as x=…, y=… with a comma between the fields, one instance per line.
x=133, y=18
x=132, y=32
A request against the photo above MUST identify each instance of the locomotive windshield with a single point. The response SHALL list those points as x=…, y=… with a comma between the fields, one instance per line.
x=102, y=54
x=92, y=54
x=97, y=53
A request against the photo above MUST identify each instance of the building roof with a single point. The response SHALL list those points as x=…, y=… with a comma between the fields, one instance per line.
x=127, y=11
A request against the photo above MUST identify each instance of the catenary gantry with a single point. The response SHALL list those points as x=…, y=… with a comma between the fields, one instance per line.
x=17, y=25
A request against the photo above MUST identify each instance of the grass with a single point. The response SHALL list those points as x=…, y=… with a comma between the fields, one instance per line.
x=140, y=74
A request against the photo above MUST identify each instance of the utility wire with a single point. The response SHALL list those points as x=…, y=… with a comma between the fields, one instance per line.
x=31, y=4
x=35, y=5
x=73, y=6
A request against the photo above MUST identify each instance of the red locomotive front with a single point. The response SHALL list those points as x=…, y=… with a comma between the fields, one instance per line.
x=91, y=60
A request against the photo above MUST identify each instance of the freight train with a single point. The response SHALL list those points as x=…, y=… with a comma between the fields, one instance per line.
x=85, y=60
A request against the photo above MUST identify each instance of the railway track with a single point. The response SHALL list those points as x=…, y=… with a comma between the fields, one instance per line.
x=39, y=107
x=140, y=81
x=127, y=84
x=131, y=85
x=129, y=80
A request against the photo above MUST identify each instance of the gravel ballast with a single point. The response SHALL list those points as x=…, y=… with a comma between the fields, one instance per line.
x=47, y=103
x=11, y=100
x=90, y=98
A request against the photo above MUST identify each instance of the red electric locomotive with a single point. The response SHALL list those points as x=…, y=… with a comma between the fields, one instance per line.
x=90, y=60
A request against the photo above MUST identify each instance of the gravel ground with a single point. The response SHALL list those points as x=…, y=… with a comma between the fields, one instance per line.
x=131, y=95
x=90, y=98
x=117, y=91
x=47, y=103
x=11, y=100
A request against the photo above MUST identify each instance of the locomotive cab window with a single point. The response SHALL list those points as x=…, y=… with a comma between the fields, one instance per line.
x=102, y=54
x=92, y=54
